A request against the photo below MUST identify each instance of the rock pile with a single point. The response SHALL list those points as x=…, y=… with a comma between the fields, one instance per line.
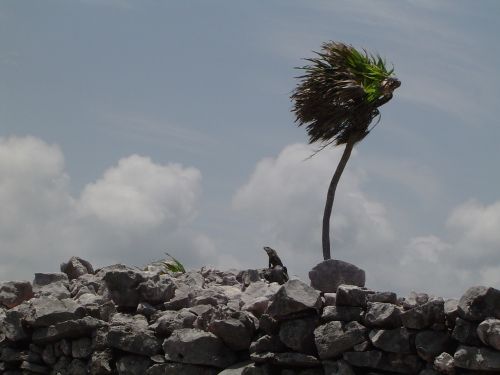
x=123, y=320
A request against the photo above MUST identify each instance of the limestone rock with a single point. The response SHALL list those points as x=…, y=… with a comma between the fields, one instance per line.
x=474, y=358
x=352, y=295
x=132, y=365
x=194, y=346
x=286, y=359
x=76, y=267
x=465, y=332
x=489, y=333
x=298, y=334
x=382, y=315
x=479, y=303
x=294, y=298
x=426, y=315
x=445, y=364
x=342, y=313
x=397, y=340
x=67, y=329
x=429, y=344
x=232, y=332
x=334, y=338
x=13, y=293
x=122, y=282
x=329, y=274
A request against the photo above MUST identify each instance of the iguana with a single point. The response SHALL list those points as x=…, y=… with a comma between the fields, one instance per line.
x=276, y=264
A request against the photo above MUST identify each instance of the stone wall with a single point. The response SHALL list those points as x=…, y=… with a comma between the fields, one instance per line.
x=122, y=320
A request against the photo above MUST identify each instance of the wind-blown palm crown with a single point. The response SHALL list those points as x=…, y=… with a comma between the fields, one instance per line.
x=338, y=96
x=337, y=99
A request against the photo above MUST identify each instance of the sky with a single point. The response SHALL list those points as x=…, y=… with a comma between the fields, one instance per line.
x=133, y=128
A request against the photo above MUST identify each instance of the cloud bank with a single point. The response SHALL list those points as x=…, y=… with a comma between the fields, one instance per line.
x=137, y=210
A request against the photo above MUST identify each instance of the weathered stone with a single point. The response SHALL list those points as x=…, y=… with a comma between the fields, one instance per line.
x=100, y=363
x=194, y=346
x=13, y=324
x=257, y=306
x=68, y=329
x=479, y=303
x=334, y=338
x=267, y=343
x=132, y=365
x=343, y=313
x=329, y=274
x=352, y=295
x=445, y=364
x=42, y=279
x=47, y=310
x=81, y=348
x=156, y=291
x=169, y=321
x=204, y=315
x=122, y=282
x=48, y=355
x=249, y=276
x=451, y=311
x=424, y=316
x=294, y=299
x=397, y=340
x=393, y=362
x=385, y=297
x=339, y=367
x=192, y=280
x=330, y=299
x=298, y=334
x=232, y=332
x=474, y=358
x=382, y=315
x=77, y=367
x=13, y=293
x=76, y=267
x=415, y=299
x=34, y=368
x=142, y=342
x=268, y=325
x=429, y=344
x=180, y=369
x=465, y=332
x=286, y=359
x=489, y=333
x=181, y=299
x=258, y=290
x=363, y=346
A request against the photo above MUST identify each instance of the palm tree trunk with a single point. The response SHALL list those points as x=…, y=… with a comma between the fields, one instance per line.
x=331, y=196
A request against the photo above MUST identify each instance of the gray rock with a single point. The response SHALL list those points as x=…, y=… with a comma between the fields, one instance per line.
x=13, y=326
x=385, y=297
x=339, y=367
x=68, y=329
x=180, y=369
x=465, y=332
x=232, y=332
x=48, y=355
x=489, y=333
x=122, y=282
x=474, y=358
x=192, y=280
x=42, y=279
x=194, y=346
x=76, y=267
x=294, y=299
x=393, y=362
x=47, y=310
x=249, y=276
x=451, y=311
x=132, y=365
x=268, y=343
x=429, y=314
x=397, y=340
x=133, y=339
x=236, y=369
x=343, y=313
x=352, y=295
x=429, y=344
x=268, y=325
x=330, y=299
x=100, y=362
x=382, y=315
x=298, y=334
x=156, y=291
x=334, y=338
x=257, y=306
x=169, y=321
x=479, y=303
x=81, y=348
x=77, y=367
x=329, y=274
x=445, y=364
x=31, y=367
x=287, y=359
x=415, y=299
x=181, y=299
x=13, y=293
x=363, y=346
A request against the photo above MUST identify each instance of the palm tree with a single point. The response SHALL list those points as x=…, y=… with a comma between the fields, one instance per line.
x=337, y=99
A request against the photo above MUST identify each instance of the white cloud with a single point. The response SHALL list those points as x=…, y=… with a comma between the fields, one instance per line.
x=138, y=192
x=137, y=210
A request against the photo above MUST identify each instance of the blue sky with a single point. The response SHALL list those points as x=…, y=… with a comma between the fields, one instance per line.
x=129, y=128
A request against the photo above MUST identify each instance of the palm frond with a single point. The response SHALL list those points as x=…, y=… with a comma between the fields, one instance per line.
x=338, y=94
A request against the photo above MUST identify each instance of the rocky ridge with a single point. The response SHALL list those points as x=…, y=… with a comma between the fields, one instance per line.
x=123, y=320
